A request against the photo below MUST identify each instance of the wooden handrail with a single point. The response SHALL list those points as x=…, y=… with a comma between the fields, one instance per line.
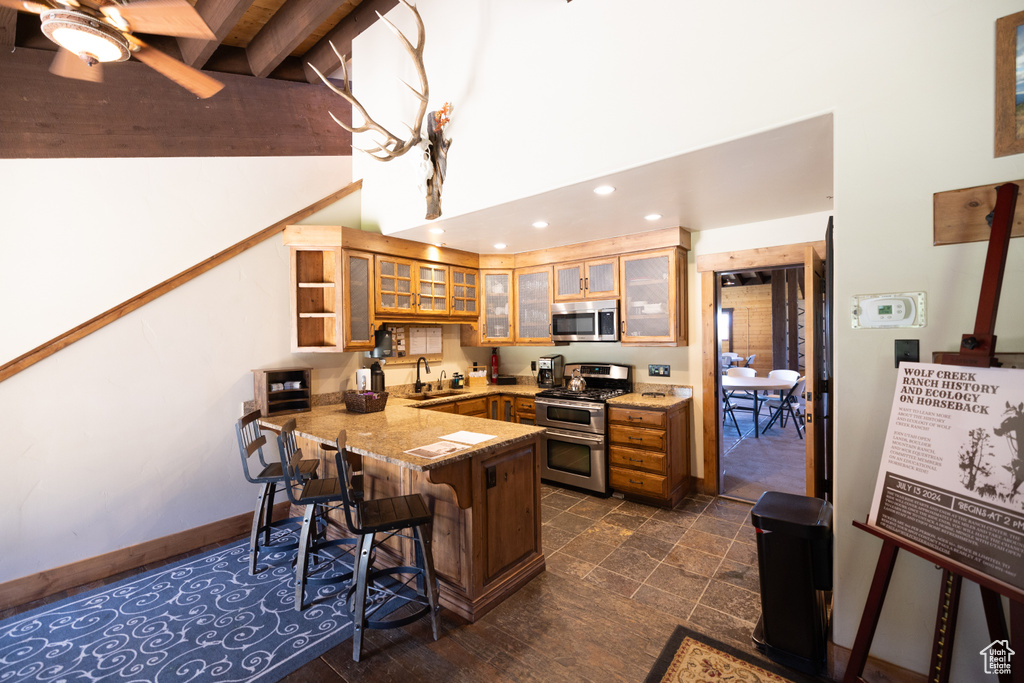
x=51, y=347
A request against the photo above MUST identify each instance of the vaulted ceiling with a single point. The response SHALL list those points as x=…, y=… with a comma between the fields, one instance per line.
x=273, y=103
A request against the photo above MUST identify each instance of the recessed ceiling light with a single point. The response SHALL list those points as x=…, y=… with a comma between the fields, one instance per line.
x=604, y=189
x=540, y=224
x=652, y=216
x=500, y=245
x=436, y=231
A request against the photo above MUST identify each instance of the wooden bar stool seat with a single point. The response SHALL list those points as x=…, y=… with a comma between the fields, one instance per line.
x=316, y=496
x=388, y=590
x=268, y=475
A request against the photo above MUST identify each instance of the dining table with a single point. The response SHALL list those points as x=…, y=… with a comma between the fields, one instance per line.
x=755, y=385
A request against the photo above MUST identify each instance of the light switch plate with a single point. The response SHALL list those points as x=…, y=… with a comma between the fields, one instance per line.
x=658, y=370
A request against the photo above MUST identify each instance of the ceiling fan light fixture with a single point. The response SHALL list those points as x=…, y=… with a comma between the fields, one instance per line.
x=85, y=36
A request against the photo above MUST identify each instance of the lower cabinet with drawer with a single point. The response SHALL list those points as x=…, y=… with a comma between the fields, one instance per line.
x=648, y=453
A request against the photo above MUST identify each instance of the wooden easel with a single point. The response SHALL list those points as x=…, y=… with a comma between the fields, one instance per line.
x=976, y=350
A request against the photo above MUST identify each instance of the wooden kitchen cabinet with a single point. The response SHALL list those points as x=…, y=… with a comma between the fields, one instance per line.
x=496, y=305
x=283, y=390
x=408, y=287
x=525, y=410
x=591, y=279
x=501, y=407
x=330, y=306
x=653, y=303
x=465, y=288
x=648, y=453
x=532, y=304
x=474, y=407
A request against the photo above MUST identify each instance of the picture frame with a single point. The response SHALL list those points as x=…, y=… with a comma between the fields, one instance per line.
x=1009, y=115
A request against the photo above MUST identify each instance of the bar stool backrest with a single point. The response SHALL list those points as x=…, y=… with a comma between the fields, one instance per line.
x=290, y=456
x=250, y=440
x=348, y=493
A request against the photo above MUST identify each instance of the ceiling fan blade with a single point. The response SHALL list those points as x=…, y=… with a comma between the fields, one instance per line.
x=70, y=65
x=162, y=17
x=25, y=5
x=193, y=80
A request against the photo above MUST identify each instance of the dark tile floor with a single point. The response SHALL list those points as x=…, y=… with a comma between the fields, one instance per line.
x=697, y=561
x=774, y=461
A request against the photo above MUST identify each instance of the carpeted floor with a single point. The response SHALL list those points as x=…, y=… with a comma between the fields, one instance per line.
x=202, y=619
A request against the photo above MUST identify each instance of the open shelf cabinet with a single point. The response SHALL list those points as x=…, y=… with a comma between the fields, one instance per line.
x=282, y=390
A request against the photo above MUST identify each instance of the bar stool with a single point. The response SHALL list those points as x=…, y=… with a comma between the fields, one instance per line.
x=250, y=441
x=315, y=495
x=387, y=516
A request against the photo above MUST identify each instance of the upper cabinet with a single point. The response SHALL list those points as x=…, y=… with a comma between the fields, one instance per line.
x=653, y=306
x=496, y=304
x=533, y=305
x=590, y=279
x=407, y=287
x=465, y=292
x=331, y=303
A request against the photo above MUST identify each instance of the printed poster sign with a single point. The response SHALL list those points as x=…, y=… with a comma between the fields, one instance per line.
x=952, y=472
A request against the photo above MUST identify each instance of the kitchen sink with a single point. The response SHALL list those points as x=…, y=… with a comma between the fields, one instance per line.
x=435, y=394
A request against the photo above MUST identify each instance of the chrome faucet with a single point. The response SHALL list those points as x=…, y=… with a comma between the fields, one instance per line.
x=426, y=366
x=440, y=380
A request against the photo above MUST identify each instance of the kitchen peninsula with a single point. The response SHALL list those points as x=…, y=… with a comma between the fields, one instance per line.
x=485, y=498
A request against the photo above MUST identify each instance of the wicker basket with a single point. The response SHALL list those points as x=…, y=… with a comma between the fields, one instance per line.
x=357, y=402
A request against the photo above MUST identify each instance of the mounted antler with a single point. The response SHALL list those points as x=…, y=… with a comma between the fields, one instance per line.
x=393, y=146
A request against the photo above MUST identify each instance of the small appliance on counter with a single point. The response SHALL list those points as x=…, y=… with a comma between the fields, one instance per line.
x=363, y=379
x=376, y=377
x=549, y=371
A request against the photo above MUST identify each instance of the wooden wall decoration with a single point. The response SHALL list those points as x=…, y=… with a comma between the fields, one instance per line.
x=137, y=112
x=959, y=215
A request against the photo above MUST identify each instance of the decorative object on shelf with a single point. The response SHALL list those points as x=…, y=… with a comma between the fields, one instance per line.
x=1009, y=122
x=433, y=147
x=89, y=34
x=365, y=401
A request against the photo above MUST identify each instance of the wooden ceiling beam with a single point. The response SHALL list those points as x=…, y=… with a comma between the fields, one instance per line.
x=136, y=112
x=322, y=56
x=289, y=26
x=8, y=27
x=221, y=16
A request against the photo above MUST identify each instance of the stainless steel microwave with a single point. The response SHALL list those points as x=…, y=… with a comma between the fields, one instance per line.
x=585, y=321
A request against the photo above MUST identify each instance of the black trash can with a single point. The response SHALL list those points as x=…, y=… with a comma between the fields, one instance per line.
x=794, y=556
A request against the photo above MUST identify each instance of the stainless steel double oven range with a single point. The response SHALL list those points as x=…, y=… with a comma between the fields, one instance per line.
x=575, y=447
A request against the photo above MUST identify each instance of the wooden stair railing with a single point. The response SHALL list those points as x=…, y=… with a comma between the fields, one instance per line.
x=59, y=342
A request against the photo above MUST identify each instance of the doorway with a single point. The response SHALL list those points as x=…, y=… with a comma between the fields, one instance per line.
x=761, y=332
x=807, y=257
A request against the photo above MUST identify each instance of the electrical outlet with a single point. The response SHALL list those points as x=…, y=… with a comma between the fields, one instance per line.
x=658, y=370
x=533, y=366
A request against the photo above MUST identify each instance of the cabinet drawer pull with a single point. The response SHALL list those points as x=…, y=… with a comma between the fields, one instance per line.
x=586, y=283
x=635, y=459
x=581, y=284
x=636, y=482
x=631, y=418
x=635, y=438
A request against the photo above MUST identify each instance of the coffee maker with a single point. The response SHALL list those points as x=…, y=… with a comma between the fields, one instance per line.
x=549, y=371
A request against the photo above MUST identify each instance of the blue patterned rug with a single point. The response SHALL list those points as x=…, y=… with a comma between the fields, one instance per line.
x=200, y=619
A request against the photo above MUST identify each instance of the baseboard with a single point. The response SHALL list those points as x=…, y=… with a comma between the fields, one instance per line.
x=876, y=670
x=46, y=583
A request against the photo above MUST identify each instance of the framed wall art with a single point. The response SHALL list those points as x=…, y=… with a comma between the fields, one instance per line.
x=1009, y=85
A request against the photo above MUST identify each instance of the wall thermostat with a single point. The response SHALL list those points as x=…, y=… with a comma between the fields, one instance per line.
x=904, y=309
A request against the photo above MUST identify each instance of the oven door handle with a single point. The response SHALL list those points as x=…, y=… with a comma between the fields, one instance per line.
x=577, y=436
x=593, y=408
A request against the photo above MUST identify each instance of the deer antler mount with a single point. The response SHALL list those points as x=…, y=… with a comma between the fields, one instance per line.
x=432, y=145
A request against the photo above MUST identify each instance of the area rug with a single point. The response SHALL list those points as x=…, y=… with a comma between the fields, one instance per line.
x=200, y=619
x=689, y=657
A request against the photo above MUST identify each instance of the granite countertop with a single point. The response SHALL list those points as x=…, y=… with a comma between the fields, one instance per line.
x=401, y=426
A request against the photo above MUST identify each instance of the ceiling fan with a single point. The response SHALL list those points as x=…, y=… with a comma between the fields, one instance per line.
x=90, y=32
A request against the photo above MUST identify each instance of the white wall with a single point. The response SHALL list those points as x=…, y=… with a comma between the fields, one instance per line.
x=548, y=94
x=126, y=435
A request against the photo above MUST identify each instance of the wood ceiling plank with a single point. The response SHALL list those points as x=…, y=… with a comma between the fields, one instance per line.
x=137, y=112
x=322, y=55
x=221, y=16
x=8, y=26
x=285, y=31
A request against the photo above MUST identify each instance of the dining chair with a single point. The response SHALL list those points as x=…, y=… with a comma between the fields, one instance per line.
x=750, y=360
x=784, y=405
x=729, y=397
x=784, y=375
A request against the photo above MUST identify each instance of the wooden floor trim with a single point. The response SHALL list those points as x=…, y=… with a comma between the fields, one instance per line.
x=47, y=349
x=46, y=583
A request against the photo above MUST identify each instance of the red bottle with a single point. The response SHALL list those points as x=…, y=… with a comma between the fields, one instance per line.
x=494, y=366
